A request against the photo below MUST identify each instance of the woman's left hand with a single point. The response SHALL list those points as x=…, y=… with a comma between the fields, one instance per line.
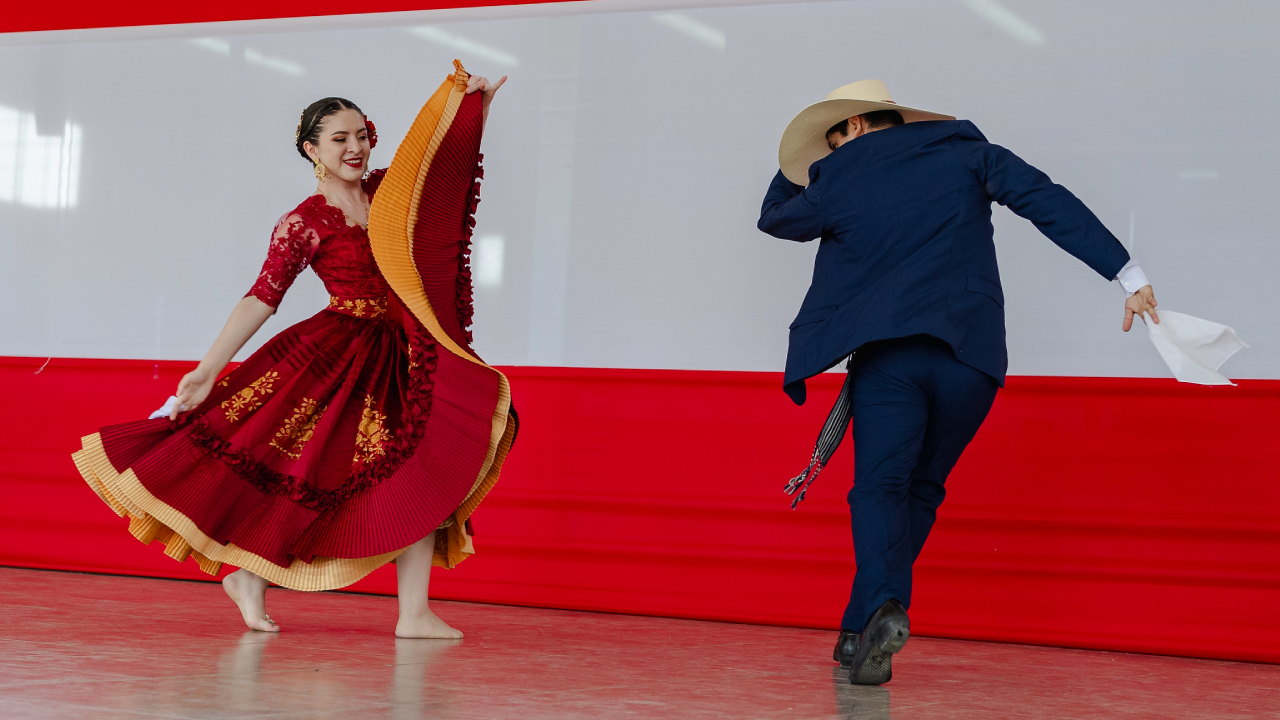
x=482, y=84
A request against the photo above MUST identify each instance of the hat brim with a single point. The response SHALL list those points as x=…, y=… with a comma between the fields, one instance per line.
x=805, y=139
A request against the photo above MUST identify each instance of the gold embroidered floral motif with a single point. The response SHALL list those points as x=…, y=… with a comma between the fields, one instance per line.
x=359, y=307
x=373, y=435
x=298, y=429
x=249, y=398
x=223, y=382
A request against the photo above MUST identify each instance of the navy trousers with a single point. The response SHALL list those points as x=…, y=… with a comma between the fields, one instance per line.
x=915, y=408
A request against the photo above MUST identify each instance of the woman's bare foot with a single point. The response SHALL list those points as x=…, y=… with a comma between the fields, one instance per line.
x=413, y=578
x=425, y=624
x=249, y=593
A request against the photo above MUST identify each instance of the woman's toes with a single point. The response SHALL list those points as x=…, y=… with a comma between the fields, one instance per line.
x=251, y=601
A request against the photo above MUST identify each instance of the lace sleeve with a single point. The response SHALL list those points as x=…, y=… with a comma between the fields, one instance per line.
x=292, y=245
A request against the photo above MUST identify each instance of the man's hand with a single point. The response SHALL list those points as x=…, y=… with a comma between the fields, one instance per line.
x=1143, y=301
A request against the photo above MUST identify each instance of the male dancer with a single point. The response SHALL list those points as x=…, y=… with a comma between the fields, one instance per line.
x=906, y=281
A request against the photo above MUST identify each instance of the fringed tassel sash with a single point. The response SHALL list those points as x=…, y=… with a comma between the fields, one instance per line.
x=833, y=431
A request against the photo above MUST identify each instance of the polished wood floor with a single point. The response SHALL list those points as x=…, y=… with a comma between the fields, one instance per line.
x=92, y=646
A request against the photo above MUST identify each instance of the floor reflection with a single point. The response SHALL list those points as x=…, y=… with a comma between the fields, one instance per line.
x=859, y=702
x=417, y=663
x=239, y=671
x=86, y=646
x=249, y=676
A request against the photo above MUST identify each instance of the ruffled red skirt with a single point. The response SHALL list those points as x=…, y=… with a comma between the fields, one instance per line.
x=340, y=442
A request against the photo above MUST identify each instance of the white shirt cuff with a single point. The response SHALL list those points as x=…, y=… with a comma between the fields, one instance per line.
x=1131, y=277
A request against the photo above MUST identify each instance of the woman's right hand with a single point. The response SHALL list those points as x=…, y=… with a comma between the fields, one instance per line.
x=192, y=390
x=196, y=385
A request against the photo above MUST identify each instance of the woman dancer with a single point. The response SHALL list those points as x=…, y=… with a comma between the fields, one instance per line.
x=363, y=435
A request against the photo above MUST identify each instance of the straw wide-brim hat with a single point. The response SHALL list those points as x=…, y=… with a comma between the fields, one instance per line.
x=805, y=139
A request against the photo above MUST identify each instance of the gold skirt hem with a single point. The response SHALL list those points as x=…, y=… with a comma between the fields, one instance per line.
x=152, y=520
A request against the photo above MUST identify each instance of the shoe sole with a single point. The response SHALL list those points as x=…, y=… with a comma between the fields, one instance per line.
x=877, y=668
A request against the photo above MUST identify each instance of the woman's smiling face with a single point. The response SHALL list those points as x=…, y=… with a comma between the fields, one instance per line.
x=343, y=145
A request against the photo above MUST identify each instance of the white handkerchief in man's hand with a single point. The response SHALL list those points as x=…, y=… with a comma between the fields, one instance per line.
x=1194, y=349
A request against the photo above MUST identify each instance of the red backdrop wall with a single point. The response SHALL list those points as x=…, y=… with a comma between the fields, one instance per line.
x=1106, y=513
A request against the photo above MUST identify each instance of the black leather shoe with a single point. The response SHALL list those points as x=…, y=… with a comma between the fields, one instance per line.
x=846, y=645
x=886, y=632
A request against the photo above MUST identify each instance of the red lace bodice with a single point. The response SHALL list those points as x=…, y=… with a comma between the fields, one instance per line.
x=317, y=234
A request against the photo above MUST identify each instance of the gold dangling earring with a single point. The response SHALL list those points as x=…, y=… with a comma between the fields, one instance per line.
x=321, y=172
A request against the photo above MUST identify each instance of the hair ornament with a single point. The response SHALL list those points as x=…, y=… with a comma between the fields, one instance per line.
x=373, y=132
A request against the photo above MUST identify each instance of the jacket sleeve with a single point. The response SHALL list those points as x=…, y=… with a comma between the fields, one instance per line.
x=790, y=212
x=1029, y=193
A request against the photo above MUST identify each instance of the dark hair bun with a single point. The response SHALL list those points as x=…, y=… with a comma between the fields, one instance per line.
x=313, y=118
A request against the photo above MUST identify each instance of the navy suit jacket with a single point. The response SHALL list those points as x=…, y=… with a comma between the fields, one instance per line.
x=904, y=216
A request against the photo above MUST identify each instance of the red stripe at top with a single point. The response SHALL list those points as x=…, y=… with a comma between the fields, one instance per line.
x=80, y=14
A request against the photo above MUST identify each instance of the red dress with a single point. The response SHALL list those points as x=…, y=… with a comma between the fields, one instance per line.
x=345, y=438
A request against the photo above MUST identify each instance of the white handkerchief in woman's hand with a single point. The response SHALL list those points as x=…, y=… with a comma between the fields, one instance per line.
x=1194, y=349
x=165, y=409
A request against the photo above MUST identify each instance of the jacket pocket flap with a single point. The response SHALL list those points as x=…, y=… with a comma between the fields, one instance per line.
x=990, y=288
x=814, y=315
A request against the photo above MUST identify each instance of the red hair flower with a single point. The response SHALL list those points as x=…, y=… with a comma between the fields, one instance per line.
x=373, y=133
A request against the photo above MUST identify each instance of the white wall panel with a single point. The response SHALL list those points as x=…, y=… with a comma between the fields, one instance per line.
x=141, y=172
